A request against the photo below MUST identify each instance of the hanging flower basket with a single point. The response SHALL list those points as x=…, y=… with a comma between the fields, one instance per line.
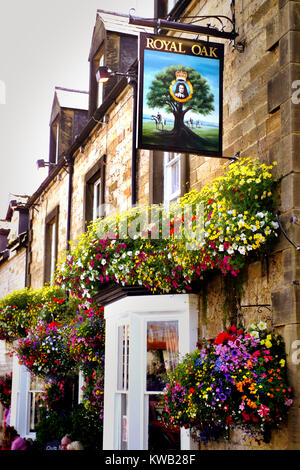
x=168, y=254
x=86, y=334
x=5, y=390
x=237, y=380
x=44, y=351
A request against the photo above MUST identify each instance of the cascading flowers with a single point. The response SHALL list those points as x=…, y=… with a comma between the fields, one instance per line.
x=5, y=390
x=214, y=229
x=237, y=380
x=85, y=334
x=44, y=351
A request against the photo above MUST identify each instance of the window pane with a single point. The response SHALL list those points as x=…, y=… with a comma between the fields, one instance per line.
x=123, y=363
x=162, y=352
x=175, y=178
x=36, y=383
x=36, y=404
x=53, y=249
x=124, y=422
x=100, y=85
x=160, y=435
x=96, y=199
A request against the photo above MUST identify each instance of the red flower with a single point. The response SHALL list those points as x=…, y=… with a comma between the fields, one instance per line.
x=245, y=416
x=221, y=338
x=210, y=201
x=232, y=330
x=229, y=420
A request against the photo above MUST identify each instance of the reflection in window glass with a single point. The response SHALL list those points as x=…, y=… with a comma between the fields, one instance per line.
x=162, y=352
x=161, y=436
x=36, y=402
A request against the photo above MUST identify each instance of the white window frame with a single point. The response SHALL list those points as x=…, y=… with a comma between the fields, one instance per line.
x=136, y=312
x=31, y=392
x=96, y=200
x=53, y=249
x=170, y=196
x=100, y=85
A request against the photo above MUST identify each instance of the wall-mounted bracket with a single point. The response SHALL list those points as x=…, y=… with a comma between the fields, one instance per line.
x=259, y=309
x=293, y=220
x=191, y=27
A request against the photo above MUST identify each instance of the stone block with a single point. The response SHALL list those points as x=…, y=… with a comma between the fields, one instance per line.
x=286, y=306
x=278, y=90
x=272, y=32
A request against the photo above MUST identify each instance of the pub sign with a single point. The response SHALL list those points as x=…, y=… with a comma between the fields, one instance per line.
x=180, y=95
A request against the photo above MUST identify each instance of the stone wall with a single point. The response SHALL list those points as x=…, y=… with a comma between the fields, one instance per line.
x=12, y=272
x=260, y=119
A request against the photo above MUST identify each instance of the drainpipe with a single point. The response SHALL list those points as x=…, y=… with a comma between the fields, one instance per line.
x=134, y=150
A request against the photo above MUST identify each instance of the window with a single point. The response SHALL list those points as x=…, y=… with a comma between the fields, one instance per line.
x=100, y=85
x=51, y=242
x=36, y=402
x=122, y=384
x=94, y=191
x=145, y=337
x=54, y=141
x=172, y=176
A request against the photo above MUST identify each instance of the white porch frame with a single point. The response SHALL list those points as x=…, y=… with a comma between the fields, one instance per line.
x=135, y=311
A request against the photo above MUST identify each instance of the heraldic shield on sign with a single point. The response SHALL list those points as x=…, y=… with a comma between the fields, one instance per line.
x=180, y=95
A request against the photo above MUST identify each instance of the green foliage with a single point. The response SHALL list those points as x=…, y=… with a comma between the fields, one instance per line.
x=21, y=310
x=80, y=424
x=159, y=94
x=53, y=425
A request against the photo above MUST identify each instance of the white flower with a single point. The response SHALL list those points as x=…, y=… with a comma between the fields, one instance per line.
x=255, y=334
x=221, y=247
x=103, y=261
x=261, y=325
x=242, y=250
x=275, y=224
x=129, y=253
x=230, y=250
x=253, y=228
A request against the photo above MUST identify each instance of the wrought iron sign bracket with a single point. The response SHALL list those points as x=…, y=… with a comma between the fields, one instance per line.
x=293, y=220
x=259, y=307
x=168, y=24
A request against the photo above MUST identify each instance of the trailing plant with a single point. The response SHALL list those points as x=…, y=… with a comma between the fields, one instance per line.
x=214, y=229
x=5, y=390
x=237, y=380
x=22, y=309
x=44, y=351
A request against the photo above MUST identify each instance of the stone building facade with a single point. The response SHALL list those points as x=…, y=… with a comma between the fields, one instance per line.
x=95, y=162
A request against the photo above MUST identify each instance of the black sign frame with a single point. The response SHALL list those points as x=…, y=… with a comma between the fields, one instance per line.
x=184, y=49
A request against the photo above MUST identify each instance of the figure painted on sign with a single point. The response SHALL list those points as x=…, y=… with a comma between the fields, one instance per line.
x=181, y=91
x=197, y=98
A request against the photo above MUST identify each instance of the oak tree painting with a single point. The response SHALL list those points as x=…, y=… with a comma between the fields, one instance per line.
x=201, y=102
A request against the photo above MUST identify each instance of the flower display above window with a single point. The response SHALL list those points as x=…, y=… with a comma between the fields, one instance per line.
x=166, y=250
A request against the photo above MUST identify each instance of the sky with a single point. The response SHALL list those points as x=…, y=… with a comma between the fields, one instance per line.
x=43, y=44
